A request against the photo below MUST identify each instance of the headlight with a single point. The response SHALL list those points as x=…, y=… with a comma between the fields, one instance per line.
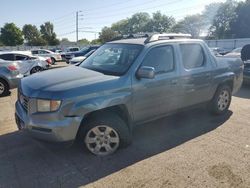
x=72, y=56
x=47, y=105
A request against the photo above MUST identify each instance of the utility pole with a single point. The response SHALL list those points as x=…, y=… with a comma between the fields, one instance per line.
x=77, y=20
x=77, y=27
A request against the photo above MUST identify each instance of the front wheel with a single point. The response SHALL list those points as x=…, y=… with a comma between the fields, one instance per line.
x=104, y=134
x=221, y=100
x=4, y=88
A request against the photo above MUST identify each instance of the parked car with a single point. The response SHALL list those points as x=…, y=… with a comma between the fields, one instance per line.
x=69, y=49
x=9, y=76
x=234, y=53
x=80, y=59
x=82, y=52
x=46, y=53
x=125, y=83
x=26, y=63
x=245, y=56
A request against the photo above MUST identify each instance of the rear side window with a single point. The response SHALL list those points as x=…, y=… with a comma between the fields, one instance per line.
x=192, y=55
x=7, y=57
x=20, y=57
x=161, y=58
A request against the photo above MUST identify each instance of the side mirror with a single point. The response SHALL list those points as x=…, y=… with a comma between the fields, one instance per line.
x=146, y=72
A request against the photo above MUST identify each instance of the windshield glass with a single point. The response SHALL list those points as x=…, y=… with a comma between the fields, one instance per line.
x=113, y=59
x=84, y=49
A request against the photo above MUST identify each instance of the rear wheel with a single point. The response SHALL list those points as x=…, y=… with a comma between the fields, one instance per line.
x=4, y=88
x=104, y=134
x=221, y=100
x=36, y=69
x=53, y=61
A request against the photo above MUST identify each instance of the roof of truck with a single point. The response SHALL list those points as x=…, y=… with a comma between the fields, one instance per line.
x=141, y=41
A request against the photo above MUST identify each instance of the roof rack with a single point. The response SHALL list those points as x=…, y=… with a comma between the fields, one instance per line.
x=167, y=36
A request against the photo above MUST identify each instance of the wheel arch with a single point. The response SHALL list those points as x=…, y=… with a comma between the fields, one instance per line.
x=120, y=110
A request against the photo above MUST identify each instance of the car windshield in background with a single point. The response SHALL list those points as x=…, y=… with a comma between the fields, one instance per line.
x=113, y=59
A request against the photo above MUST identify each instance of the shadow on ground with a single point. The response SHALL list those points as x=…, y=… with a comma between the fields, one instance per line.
x=25, y=162
x=244, y=92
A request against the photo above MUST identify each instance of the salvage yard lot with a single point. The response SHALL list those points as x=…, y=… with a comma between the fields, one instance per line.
x=189, y=149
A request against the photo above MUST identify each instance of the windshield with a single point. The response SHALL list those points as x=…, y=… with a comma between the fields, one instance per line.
x=84, y=49
x=113, y=59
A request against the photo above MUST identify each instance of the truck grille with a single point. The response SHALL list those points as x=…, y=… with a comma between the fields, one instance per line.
x=24, y=101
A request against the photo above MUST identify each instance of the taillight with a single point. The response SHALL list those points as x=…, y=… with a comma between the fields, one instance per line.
x=12, y=67
x=49, y=61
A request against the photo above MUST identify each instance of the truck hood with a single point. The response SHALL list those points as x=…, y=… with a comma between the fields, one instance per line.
x=65, y=82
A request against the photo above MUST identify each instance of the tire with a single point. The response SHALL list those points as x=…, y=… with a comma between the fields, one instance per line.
x=53, y=61
x=102, y=130
x=221, y=100
x=36, y=69
x=4, y=88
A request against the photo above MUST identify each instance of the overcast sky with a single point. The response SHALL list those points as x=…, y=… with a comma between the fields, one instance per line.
x=95, y=13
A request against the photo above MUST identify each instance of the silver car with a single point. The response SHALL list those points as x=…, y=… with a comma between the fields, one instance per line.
x=9, y=76
x=47, y=53
x=26, y=63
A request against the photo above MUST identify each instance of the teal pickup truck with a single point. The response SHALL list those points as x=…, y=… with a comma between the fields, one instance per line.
x=122, y=84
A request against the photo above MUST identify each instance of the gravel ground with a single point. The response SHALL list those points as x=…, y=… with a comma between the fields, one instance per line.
x=189, y=149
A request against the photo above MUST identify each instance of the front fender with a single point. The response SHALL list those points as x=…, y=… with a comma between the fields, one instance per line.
x=84, y=106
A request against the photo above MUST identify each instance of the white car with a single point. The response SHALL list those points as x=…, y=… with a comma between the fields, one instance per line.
x=47, y=54
x=234, y=53
x=26, y=63
x=80, y=59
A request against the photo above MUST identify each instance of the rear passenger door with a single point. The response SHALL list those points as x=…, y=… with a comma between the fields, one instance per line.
x=155, y=97
x=196, y=75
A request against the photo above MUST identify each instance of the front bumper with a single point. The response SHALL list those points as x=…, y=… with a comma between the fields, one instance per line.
x=47, y=126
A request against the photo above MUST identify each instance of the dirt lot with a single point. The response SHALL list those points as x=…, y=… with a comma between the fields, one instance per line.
x=190, y=149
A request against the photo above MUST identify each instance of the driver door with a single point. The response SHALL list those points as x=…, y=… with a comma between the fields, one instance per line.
x=155, y=97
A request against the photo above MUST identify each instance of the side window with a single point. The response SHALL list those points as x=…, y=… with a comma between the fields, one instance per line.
x=7, y=57
x=34, y=52
x=20, y=57
x=161, y=58
x=192, y=55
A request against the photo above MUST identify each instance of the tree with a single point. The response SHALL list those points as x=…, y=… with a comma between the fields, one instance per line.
x=95, y=41
x=210, y=12
x=107, y=34
x=83, y=41
x=32, y=35
x=11, y=35
x=159, y=23
x=48, y=34
x=138, y=22
x=220, y=28
x=191, y=25
x=121, y=27
x=242, y=20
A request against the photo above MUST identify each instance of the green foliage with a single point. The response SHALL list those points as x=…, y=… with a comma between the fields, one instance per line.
x=221, y=28
x=96, y=41
x=159, y=23
x=107, y=34
x=191, y=25
x=138, y=23
x=48, y=34
x=240, y=26
x=11, y=35
x=83, y=41
x=32, y=35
